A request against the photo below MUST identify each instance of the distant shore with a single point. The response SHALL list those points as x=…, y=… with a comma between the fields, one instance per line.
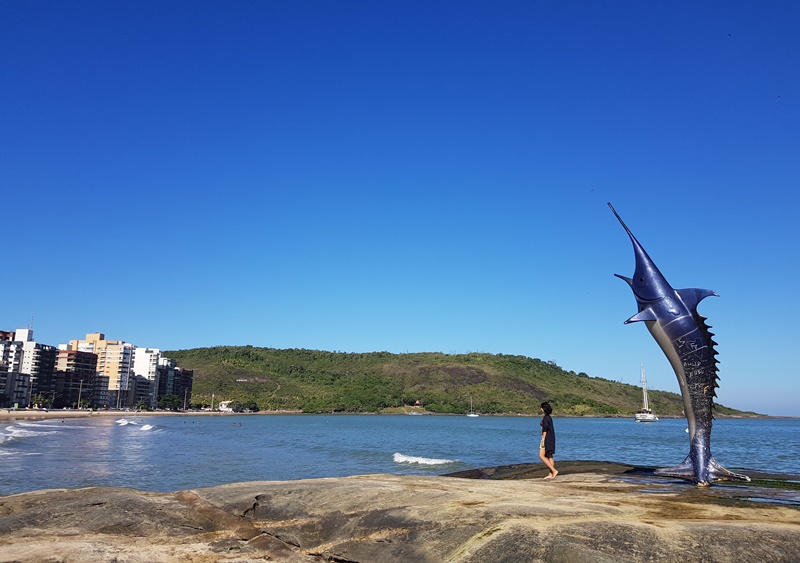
x=41, y=414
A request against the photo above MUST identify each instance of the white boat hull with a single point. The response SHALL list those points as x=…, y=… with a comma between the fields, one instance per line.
x=645, y=415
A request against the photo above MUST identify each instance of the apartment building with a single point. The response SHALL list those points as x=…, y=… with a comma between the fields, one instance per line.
x=77, y=382
x=174, y=380
x=13, y=383
x=114, y=361
x=38, y=363
x=93, y=371
x=26, y=366
x=145, y=373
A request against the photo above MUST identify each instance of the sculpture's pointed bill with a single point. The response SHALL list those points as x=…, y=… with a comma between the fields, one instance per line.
x=671, y=317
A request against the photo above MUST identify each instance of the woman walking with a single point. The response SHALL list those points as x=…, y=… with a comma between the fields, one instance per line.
x=547, y=447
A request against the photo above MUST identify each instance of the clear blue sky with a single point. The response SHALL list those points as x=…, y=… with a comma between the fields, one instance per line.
x=405, y=176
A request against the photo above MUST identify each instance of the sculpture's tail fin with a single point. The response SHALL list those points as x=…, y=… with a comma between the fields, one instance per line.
x=713, y=470
x=683, y=471
x=719, y=473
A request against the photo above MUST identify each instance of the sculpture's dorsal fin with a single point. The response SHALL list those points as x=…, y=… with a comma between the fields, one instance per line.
x=692, y=296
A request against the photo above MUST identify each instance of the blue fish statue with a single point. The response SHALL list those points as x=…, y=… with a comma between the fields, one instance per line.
x=671, y=317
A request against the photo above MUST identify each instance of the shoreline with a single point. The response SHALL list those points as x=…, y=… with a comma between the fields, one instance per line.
x=33, y=414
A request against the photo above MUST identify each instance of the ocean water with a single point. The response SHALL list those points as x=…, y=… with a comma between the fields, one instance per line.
x=168, y=453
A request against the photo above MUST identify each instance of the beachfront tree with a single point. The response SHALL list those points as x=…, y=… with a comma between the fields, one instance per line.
x=43, y=401
x=170, y=402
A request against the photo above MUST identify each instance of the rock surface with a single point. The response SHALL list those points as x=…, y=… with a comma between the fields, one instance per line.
x=592, y=511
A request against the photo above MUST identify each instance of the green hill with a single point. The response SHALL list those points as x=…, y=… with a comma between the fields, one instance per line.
x=315, y=381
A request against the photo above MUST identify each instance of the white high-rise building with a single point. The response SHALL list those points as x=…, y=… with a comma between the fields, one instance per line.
x=13, y=383
x=145, y=364
x=26, y=368
x=38, y=364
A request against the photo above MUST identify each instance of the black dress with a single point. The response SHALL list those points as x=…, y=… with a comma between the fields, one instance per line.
x=550, y=437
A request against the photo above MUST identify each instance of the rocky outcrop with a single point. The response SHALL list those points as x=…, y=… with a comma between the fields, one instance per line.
x=591, y=512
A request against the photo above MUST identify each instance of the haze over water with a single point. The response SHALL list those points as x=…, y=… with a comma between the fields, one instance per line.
x=165, y=453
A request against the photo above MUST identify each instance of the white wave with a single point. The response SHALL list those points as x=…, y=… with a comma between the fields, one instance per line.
x=21, y=431
x=148, y=427
x=50, y=425
x=124, y=421
x=24, y=431
x=39, y=425
x=402, y=458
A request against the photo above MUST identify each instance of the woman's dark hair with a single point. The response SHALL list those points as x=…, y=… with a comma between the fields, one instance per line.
x=547, y=408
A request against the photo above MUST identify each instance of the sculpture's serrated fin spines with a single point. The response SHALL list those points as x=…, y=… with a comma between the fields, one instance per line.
x=713, y=374
x=705, y=329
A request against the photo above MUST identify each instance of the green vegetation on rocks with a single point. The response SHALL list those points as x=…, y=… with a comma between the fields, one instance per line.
x=314, y=381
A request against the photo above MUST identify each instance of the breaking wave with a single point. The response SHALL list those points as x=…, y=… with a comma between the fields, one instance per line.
x=402, y=458
x=23, y=431
x=125, y=422
x=50, y=424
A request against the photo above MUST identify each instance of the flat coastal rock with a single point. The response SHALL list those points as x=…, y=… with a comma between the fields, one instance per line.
x=592, y=512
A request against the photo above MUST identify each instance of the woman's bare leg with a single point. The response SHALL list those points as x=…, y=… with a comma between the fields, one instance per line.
x=548, y=461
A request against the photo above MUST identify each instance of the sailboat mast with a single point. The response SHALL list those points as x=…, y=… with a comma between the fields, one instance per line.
x=645, y=402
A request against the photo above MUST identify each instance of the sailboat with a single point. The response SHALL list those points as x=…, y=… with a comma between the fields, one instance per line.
x=645, y=414
x=471, y=412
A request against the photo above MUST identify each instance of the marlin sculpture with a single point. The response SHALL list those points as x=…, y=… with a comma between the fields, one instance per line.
x=671, y=317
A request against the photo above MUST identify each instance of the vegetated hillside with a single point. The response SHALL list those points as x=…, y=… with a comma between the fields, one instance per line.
x=314, y=381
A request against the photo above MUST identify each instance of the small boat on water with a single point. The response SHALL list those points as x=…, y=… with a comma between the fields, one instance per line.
x=471, y=412
x=645, y=414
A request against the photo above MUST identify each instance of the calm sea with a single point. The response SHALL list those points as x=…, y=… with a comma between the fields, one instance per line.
x=167, y=453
